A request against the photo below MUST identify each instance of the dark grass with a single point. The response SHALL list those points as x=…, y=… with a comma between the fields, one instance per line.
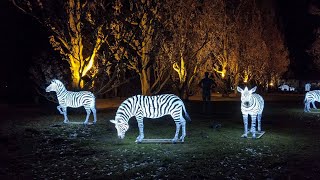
x=35, y=144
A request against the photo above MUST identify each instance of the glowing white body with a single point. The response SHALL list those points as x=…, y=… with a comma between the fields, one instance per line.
x=251, y=104
x=285, y=87
x=73, y=99
x=311, y=97
x=151, y=107
x=307, y=87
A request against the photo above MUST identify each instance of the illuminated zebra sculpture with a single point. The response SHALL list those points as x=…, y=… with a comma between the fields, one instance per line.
x=73, y=99
x=311, y=97
x=151, y=107
x=251, y=104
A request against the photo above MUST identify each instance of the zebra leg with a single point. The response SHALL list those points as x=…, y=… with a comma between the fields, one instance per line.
x=178, y=125
x=66, y=120
x=308, y=106
x=245, y=123
x=183, y=123
x=313, y=104
x=59, y=109
x=94, y=112
x=253, y=125
x=259, y=122
x=87, y=118
x=305, y=107
x=141, y=133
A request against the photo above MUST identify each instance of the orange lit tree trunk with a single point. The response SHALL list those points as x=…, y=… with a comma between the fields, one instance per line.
x=77, y=46
x=145, y=13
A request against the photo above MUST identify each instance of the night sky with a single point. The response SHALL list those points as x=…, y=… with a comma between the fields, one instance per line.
x=22, y=38
x=298, y=26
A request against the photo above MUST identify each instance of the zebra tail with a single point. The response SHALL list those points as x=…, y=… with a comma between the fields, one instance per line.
x=185, y=112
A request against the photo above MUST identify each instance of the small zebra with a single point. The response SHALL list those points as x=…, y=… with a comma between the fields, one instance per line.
x=284, y=87
x=311, y=97
x=151, y=107
x=73, y=99
x=251, y=104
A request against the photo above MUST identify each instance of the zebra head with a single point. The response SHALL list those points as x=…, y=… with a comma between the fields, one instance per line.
x=122, y=127
x=246, y=95
x=55, y=85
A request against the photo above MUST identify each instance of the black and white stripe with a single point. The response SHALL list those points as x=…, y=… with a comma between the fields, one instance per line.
x=311, y=97
x=251, y=104
x=151, y=107
x=73, y=99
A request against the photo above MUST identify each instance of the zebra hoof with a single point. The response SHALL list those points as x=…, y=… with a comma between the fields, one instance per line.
x=138, y=142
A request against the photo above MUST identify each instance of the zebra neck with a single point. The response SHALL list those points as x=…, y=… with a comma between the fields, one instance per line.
x=61, y=92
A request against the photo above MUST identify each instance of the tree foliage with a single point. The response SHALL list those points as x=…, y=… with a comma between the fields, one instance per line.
x=108, y=43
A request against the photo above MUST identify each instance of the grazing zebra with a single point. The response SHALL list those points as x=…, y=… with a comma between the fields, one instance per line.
x=311, y=97
x=73, y=99
x=284, y=87
x=150, y=107
x=251, y=104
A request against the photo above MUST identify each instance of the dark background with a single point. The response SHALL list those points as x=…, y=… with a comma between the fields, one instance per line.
x=23, y=38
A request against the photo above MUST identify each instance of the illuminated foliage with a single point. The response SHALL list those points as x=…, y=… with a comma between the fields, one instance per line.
x=188, y=27
x=107, y=43
x=76, y=28
x=142, y=19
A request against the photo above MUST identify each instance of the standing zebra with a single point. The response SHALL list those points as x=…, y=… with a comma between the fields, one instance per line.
x=311, y=97
x=73, y=99
x=150, y=107
x=251, y=104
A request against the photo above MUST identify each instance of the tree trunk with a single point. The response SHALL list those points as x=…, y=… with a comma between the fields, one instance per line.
x=145, y=82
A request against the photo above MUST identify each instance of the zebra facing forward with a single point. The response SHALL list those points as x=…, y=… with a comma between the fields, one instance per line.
x=151, y=107
x=311, y=97
x=251, y=104
x=73, y=99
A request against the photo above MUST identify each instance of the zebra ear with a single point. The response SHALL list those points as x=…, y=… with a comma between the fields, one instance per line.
x=239, y=89
x=113, y=121
x=253, y=89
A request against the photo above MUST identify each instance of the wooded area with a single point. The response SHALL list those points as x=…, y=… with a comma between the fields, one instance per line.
x=102, y=45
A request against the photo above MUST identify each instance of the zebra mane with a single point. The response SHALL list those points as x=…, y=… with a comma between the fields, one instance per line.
x=59, y=83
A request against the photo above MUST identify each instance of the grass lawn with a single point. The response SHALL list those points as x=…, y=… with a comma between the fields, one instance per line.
x=35, y=144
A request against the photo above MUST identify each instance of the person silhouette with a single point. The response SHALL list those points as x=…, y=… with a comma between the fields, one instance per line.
x=206, y=84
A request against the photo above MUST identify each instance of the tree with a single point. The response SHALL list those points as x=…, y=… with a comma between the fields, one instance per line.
x=277, y=51
x=77, y=31
x=142, y=20
x=189, y=29
x=314, y=50
x=224, y=43
x=45, y=68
